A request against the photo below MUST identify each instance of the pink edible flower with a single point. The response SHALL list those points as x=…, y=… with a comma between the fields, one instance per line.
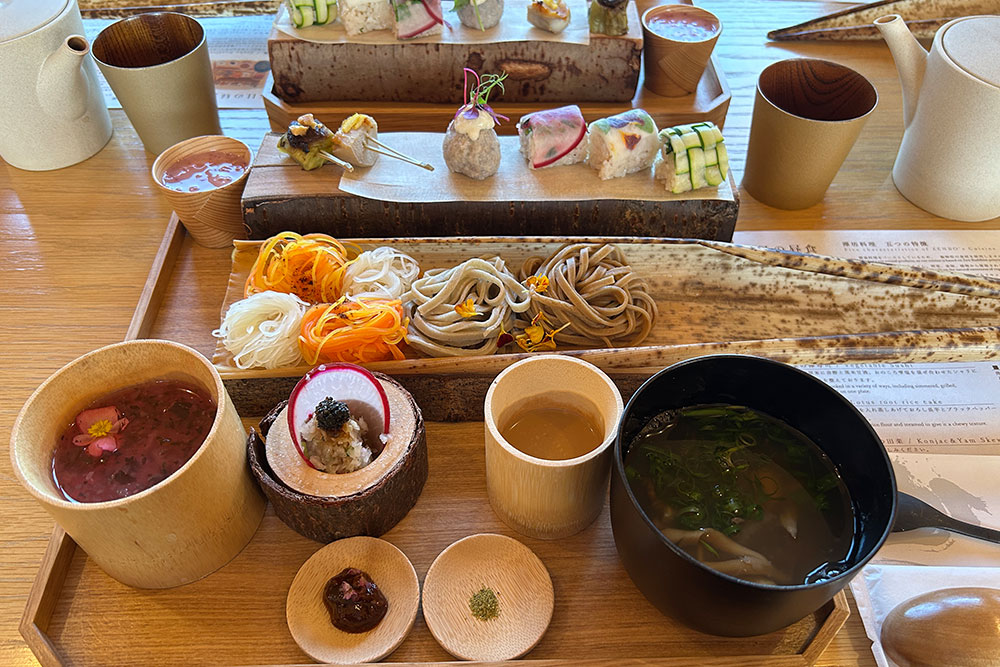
x=99, y=428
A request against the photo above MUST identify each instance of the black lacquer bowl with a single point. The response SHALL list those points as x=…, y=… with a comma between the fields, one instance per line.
x=707, y=600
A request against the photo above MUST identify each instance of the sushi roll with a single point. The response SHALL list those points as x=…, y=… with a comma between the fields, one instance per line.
x=479, y=14
x=554, y=137
x=550, y=15
x=417, y=18
x=306, y=140
x=351, y=142
x=622, y=144
x=471, y=146
x=608, y=17
x=691, y=157
x=361, y=16
x=305, y=13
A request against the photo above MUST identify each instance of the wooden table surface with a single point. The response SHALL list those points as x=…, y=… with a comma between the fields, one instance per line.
x=76, y=245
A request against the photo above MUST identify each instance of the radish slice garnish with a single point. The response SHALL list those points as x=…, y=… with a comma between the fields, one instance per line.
x=545, y=163
x=354, y=385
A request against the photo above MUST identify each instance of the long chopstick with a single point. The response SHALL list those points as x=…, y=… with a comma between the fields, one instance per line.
x=346, y=166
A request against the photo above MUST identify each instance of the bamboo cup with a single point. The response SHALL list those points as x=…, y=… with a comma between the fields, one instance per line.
x=543, y=498
x=175, y=532
x=672, y=66
x=214, y=218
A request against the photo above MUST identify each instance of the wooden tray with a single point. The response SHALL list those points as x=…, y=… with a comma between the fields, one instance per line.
x=281, y=196
x=709, y=102
x=784, y=305
x=78, y=615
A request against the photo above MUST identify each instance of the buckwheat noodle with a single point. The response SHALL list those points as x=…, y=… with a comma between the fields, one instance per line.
x=383, y=273
x=262, y=330
x=438, y=329
x=594, y=290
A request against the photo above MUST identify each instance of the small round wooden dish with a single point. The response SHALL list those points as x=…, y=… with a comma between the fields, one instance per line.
x=523, y=589
x=309, y=621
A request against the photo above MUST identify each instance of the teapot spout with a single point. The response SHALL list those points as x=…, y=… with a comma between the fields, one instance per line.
x=63, y=87
x=910, y=59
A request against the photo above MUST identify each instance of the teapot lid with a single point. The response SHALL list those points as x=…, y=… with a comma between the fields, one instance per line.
x=973, y=44
x=19, y=17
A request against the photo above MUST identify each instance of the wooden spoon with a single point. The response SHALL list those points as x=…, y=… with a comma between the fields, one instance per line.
x=945, y=628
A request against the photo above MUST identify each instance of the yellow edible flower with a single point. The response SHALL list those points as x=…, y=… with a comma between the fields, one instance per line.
x=538, y=283
x=467, y=309
x=100, y=429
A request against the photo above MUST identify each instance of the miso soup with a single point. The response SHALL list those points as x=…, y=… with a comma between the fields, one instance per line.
x=744, y=493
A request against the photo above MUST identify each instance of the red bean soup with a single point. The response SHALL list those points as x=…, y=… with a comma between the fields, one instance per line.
x=131, y=439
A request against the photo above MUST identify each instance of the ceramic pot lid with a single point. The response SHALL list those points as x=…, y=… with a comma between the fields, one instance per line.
x=19, y=17
x=973, y=45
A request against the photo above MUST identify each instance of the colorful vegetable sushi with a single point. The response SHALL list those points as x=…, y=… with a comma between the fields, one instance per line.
x=550, y=15
x=417, y=18
x=691, y=157
x=480, y=14
x=553, y=137
x=622, y=144
x=361, y=16
x=608, y=17
x=471, y=146
x=306, y=140
x=305, y=13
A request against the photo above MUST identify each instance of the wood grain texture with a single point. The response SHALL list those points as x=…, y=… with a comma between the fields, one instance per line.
x=77, y=245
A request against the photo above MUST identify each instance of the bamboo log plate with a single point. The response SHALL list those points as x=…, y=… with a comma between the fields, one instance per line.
x=712, y=297
x=309, y=621
x=522, y=587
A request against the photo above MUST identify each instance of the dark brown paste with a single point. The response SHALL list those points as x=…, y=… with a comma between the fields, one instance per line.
x=354, y=601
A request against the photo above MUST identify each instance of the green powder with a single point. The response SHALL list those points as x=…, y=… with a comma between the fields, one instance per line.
x=484, y=604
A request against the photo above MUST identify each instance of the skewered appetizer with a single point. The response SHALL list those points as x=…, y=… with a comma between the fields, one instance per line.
x=471, y=146
x=305, y=13
x=553, y=137
x=311, y=143
x=691, y=157
x=550, y=15
x=608, y=17
x=417, y=18
x=481, y=14
x=308, y=141
x=361, y=16
x=622, y=144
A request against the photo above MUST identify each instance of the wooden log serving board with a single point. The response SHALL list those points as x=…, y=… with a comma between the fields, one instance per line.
x=712, y=297
x=281, y=196
x=605, y=70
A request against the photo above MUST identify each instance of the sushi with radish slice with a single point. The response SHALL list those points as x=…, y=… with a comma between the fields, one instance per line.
x=622, y=144
x=357, y=142
x=550, y=15
x=471, y=146
x=479, y=14
x=691, y=157
x=305, y=13
x=362, y=16
x=553, y=137
x=417, y=18
x=310, y=143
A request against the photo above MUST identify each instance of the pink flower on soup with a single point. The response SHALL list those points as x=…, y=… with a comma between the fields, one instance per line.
x=99, y=429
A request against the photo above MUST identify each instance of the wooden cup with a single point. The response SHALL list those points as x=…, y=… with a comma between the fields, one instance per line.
x=673, y=67
x=806, y=117
x=175, y=532
x=214, y=218
x=544, y=498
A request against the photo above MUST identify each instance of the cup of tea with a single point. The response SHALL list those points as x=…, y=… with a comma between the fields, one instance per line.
x=677, y=42
x=807, y=114
x=550, y=422
x=203, y=179
x=158, y=66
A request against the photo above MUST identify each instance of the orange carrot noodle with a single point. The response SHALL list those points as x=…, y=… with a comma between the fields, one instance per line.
x=310, y=266
x=358, y=330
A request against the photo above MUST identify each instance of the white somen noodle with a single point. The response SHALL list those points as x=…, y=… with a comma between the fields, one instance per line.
x=384, y=273
x=262, y=330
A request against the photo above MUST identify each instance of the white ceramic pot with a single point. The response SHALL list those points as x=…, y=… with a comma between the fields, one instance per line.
x=52, y=111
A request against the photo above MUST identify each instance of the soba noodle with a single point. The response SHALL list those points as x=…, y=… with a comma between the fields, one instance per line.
x=383, y=273
x=262, y=330
x=594, y=290
x=434, y=302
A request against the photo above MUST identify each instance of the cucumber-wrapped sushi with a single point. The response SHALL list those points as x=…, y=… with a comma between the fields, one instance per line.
x=691, y=157
x=305, y=13
x=608, y=17
x=551, y=15
x=479, y=14
x=471, y=146
x=622, y=144
x=361, y=16
x=553, y=137
x=306, y=140
x=417, y=18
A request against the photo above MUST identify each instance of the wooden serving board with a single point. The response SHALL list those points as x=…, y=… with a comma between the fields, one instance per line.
x=712, y=297
x=605, y=70
x=281, y=196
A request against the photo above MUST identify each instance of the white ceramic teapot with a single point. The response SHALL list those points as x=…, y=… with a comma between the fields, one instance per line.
x=949, y=160
x=52, y=111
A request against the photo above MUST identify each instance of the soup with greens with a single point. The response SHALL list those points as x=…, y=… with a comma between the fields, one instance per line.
x=743, y=493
